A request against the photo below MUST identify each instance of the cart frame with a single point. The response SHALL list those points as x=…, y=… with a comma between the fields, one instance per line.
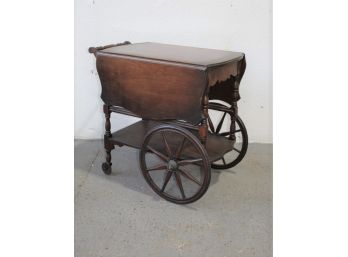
x=211, y=147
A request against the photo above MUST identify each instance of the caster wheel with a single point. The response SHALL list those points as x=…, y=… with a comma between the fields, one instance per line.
x=106, y=168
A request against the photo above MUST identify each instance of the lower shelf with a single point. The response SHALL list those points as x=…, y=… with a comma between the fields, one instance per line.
x=133, y=136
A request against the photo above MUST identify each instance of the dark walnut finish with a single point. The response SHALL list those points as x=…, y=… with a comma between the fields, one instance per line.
x=171, y=88
x=135, y=84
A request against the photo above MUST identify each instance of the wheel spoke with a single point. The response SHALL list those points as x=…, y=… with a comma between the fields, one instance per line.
x=160, y=155
x=211, y=125
x=228, y=133
x=190, y=177
x=223, y=160
x=169, y=152
x=220, y=123
x=224, y=134
x=166, y=180
x=186, y=162
x=178, y=182
x=158, y=167
x=236, y=150
x=179, y=150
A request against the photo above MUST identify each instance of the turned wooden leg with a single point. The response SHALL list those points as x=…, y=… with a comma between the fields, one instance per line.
x=106, y=166
x=234, y=108
x=108, y=156
x=203, y=128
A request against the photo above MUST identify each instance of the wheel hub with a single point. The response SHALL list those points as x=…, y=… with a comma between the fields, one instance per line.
x=172, y=165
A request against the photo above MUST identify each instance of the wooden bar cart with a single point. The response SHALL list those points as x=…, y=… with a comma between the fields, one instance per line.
x=174, y=90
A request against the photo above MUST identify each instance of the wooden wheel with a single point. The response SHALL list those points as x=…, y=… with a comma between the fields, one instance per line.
x=221, y=126
x=168, y=160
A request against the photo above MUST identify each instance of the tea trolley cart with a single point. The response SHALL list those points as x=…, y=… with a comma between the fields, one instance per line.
x=186, y=98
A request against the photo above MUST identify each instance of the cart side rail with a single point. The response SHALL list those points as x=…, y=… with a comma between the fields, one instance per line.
x=94, y=50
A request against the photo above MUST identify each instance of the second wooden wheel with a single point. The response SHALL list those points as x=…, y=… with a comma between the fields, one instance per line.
x=175, y=164
x=221, y=126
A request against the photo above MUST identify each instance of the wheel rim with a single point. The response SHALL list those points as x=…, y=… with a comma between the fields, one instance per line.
x=220, y=126
x=168, y=167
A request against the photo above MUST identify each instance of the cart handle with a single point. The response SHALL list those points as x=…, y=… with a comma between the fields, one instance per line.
x=93, y=50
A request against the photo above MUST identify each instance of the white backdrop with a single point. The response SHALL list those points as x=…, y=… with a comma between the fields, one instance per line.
x=236, y=25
